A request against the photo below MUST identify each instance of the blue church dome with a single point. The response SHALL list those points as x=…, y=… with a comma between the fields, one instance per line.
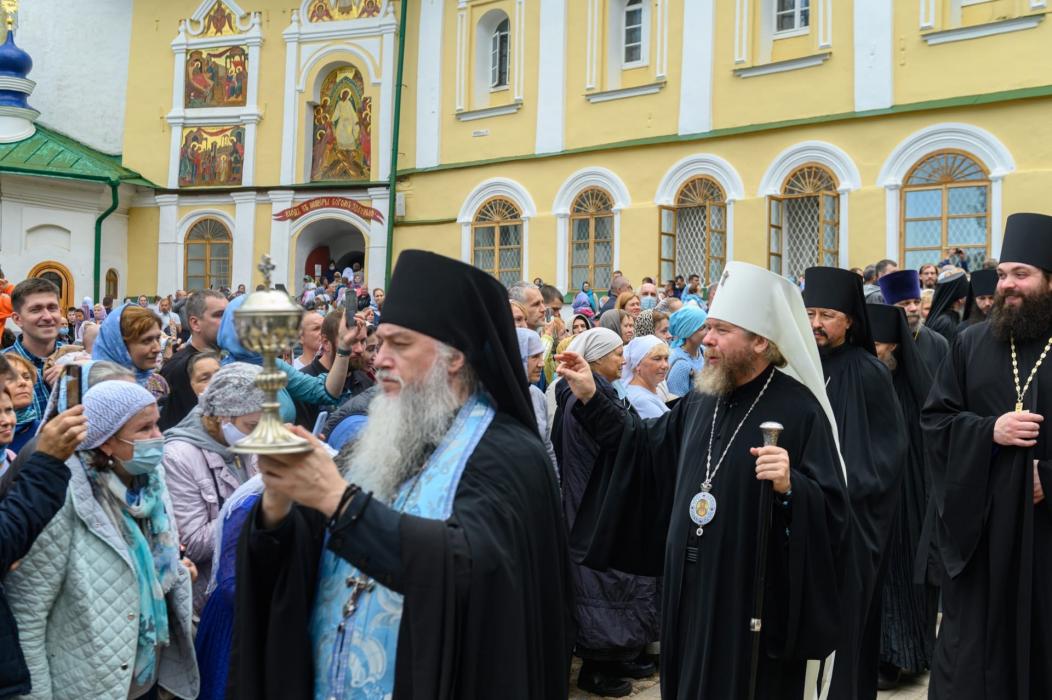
x=14, y=61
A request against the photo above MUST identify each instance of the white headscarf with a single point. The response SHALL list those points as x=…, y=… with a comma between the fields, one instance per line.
x=529, y=344
x=595, y=343
x=635, y=352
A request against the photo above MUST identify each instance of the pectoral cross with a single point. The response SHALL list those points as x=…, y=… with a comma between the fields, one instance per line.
x=357, y=586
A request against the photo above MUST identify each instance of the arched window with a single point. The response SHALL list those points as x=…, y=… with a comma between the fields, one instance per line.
x=694, y=231
x=592, y=244
x=496, y=240
x=805, y=222
x=57, y=274
x=111, y=283
x=634, y=43
x=498, y=55
x=945, y=204
x=207, y=251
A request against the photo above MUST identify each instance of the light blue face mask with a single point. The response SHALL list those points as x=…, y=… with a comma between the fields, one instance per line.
x=648, y=302
x=146, y=456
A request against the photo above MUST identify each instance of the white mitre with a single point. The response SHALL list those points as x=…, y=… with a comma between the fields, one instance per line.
x=769, y=305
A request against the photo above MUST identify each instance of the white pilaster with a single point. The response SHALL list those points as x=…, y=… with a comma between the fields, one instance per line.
x=842, y=234
x=996, y=220
x=169, y=247
x=874, y=42
x=592, y=40
x=429, y=84
x=825, y=24
x=661, y=48
x=695, y=103
x=279, y=238
x=562, y=244
x=551, y=83
x=891, y=222
x=462, y=54
x=386, y=111
x=742, y=31
x=244, y=238
x=376, y=247
x=287, y=176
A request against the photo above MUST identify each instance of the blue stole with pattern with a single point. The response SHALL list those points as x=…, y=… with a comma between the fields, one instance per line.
x=354, y=655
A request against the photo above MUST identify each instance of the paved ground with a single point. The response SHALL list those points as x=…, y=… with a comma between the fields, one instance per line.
x=650, y=689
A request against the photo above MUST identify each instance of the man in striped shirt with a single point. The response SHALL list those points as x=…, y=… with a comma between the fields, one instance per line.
x=36, y=310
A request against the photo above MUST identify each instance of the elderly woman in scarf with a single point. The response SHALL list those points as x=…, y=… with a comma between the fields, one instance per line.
x=619, y=321
x=617, y=613
x=687, y=356
x=103, y=600
x=531, y=350
x=646, y=364
x=200, y=469
x=131, y=337
x=325, y=389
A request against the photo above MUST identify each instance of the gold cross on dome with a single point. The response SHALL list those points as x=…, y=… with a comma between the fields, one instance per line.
x=10, y=7
x=265, y=266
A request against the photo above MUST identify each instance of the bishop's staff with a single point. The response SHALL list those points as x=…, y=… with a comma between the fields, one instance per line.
x=771, y=431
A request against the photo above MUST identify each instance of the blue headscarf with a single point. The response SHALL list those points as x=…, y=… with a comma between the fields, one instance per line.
x=685, y=323
x=228, y=340
x=110, y=345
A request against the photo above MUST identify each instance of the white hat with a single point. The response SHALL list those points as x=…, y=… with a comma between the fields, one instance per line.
x=769, y=305
x=635, y=352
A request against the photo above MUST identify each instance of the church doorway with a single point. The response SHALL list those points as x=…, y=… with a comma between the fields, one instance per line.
x=58, y=275
x=328, y=239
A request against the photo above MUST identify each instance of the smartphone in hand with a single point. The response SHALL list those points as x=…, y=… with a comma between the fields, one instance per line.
x=73, y=385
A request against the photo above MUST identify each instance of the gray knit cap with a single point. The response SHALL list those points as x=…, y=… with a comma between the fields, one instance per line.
x=233, y=392
x=108, y=406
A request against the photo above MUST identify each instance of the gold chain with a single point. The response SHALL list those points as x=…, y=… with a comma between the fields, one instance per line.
x=1019, y=393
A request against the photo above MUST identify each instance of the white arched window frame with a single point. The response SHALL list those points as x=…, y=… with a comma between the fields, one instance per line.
x=498, y=55
x=827, y=155
x=977, y=142
x=577, y=183
x=175, y=269
x=701, y=165
x=491, y=189
x=492, y=65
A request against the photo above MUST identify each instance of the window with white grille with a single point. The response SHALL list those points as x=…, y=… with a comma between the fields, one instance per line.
x=694, y=232
x=804, y=222
x=634, y=33
x=496, y=240
x=945, y=205
x=592, y=239
x=498, y=55
x=791, y=15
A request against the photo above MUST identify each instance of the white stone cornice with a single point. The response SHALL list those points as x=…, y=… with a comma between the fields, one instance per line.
x=783, y=66
x=977, y=31
x=624, y=93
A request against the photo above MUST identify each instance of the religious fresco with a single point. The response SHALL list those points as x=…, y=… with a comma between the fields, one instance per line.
x=338, y=10
x=219, y=21
x=212, y=156
x=216, y=77
x=341, y=146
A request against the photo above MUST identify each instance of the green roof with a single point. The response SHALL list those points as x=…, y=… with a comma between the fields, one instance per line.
x=48, y=153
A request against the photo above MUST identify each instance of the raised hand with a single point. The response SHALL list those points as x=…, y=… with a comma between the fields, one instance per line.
x=577, y=374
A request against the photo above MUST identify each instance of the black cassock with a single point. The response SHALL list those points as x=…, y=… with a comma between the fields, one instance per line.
x=488, y=603
x=996, y=635
x=933, y=348
x=634, y=517
x=909, y=607
x=873, y=443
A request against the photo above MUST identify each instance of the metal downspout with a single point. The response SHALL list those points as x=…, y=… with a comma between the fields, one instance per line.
x=114, y=185
x=392, y=183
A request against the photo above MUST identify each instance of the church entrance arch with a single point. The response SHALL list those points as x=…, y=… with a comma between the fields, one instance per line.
x=324, y=238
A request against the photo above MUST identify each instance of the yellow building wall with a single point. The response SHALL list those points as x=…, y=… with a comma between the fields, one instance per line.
x=1022, y=126
x=142, y=250
x=977, y=66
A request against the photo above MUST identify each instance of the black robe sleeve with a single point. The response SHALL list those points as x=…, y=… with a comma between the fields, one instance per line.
x=624, y=516
x=960, y=446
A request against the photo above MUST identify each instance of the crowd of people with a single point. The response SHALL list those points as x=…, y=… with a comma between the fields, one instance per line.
x=495, y=485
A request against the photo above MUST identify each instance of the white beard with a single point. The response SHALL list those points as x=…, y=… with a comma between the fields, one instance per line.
x=402, y=432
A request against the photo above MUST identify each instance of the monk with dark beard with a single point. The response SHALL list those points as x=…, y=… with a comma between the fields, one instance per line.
x=435, y=565
x=988, y=448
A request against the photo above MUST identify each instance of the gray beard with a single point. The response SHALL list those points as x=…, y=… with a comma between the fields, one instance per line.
x=401, y=434
x=714, y=381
